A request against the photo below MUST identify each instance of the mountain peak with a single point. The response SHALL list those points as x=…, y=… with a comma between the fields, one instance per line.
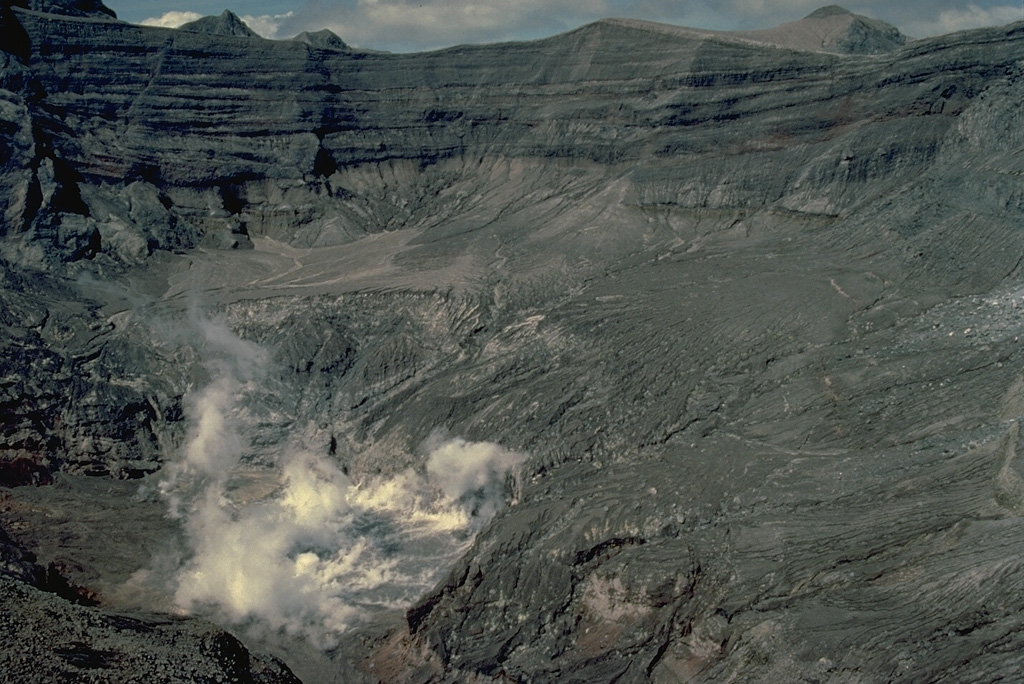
x=324, y=38
x=829, y=11
x=227, y=24
x=834, y=29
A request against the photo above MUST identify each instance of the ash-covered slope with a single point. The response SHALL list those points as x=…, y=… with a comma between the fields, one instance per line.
x=750, y=305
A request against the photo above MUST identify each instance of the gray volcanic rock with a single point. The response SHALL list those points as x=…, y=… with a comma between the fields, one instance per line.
x=71, y=377
x=751, y=303
x=72, y=8
x=18, y=145
x=48, y=639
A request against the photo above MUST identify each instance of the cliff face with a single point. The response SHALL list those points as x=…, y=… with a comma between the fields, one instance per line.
x=749, y=302
x=237, y=133
x=229, y=123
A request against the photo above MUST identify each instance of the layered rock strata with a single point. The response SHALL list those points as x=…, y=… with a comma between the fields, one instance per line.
x=750, y=302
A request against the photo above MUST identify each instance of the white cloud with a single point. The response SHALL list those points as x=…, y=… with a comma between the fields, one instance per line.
x=963, y=18
x=267, y=25
x=171, y=19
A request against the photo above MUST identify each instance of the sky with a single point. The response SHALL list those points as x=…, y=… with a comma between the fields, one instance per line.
x=413, y=25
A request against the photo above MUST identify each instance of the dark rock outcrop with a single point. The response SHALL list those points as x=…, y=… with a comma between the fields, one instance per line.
x=49, y=639
x=52, y=634
x=71, y=8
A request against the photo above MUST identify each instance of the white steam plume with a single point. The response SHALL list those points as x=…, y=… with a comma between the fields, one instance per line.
x=215, y=445
x=471, y=472
x=312, y=555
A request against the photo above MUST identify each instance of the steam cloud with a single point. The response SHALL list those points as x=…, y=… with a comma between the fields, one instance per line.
x=309, y=557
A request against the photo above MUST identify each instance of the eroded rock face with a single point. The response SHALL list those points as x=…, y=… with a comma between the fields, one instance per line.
x=751, y=304
x=50, y=639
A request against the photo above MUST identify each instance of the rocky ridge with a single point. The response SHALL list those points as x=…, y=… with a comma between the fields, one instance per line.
x=226, y=24
x=834, y=29
x=750, y=303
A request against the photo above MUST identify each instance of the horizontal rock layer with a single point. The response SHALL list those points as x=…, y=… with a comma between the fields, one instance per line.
x=209, y=115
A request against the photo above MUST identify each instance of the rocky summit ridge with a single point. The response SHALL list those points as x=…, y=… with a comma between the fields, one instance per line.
x=831, y=29
x=322, y=39
x=226, y=24
x=835, y=29
x=740, y=313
